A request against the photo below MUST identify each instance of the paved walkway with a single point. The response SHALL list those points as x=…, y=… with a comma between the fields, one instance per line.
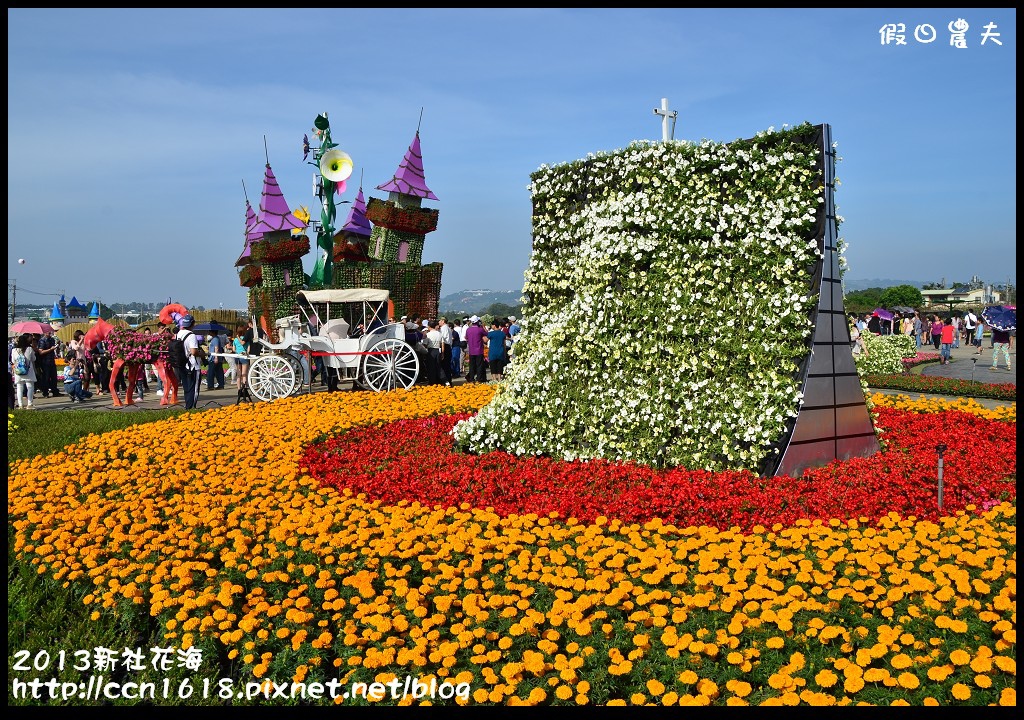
x=962, y=366
x=151, y=401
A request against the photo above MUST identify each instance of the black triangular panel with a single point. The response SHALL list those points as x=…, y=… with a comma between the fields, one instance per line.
x=833, y=421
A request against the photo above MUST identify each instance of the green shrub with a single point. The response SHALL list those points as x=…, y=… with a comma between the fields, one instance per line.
x=667, y=306
x=885, y=354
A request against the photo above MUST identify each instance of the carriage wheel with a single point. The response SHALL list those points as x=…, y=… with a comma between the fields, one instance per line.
x=271, y=377
x=398, y=368
x=300, y=374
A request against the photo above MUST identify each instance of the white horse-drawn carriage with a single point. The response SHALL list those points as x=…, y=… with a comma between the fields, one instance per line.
x=354, y=337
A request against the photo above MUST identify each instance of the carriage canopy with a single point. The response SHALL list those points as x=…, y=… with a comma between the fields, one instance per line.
x=347, y=295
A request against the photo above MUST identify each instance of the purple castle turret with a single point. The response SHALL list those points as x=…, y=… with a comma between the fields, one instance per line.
x=401, y=225
x=276, y=252
x=352, y=242
x=389, y=255
x=250, y=220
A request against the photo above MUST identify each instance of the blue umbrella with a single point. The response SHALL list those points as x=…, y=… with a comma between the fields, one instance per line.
x=208, y=328
x=1000, y=317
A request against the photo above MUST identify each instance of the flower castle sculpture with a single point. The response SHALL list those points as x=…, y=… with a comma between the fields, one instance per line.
x=396, y=242
x=387, y=256
x=724, y=260
x=275, y=253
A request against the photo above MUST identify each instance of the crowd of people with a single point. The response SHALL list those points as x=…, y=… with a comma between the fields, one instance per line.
x=32, y=368
x=944, y=334
x=447, y=350
x=86, y=368
x=83, y=368
x=466, y=347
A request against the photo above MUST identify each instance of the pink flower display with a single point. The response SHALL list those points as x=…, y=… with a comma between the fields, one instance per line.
x=136, y=347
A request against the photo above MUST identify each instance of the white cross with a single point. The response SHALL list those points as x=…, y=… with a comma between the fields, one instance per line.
x=665, y=115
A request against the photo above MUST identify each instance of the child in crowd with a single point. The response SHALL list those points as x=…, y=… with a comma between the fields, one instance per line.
x=72, y=376
x=948, y=334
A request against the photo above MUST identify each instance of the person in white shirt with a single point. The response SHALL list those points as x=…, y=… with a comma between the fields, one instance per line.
x=970, y=322
x=446, y=350
x=856, y=339
x=189, y=378
x=25, y=384
x=432, y=341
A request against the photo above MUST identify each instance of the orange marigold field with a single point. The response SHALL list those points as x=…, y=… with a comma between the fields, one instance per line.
x=204, y=522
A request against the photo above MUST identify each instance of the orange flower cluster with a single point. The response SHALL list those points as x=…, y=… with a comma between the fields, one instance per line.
x=294, y=580
x=932, y=404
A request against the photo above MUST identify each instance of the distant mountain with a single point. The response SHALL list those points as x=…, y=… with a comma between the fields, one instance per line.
x=477, y=301
x=851, y=284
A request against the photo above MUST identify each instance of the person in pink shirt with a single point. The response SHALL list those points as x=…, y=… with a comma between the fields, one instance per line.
x=936, y=331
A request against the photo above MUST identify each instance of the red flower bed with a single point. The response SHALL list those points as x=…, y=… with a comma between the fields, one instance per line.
x=943, y=386
x=921, y=359
x=414, y=460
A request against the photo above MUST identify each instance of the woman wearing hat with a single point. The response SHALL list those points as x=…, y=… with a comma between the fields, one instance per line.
x=188, y=376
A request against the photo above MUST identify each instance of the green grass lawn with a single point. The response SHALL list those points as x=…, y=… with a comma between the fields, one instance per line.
x=46, y=617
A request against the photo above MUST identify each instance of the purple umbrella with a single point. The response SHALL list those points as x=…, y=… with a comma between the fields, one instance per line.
x=882, y=314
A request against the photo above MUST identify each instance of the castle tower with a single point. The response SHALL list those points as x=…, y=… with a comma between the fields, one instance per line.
x=75, y=311
x=250, y=275
x=390, y=258
x=94, y=314
x=401, y=225
x=353, y=240
x=56, y=317
x=277, y=252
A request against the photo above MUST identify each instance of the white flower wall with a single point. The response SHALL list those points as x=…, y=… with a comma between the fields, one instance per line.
x=667, y=305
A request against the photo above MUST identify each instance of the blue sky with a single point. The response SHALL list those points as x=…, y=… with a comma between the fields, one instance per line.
x=130, y=132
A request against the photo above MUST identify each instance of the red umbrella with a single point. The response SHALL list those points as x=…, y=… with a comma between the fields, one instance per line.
x=33, y=327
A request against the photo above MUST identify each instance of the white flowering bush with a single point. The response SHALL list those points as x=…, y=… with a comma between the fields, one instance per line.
x=666, y=305
x=885, y=354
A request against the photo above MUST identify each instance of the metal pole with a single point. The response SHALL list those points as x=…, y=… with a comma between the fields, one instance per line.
x=940, y=449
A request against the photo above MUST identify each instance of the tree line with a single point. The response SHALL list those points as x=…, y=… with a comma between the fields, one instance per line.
x=497, y=309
